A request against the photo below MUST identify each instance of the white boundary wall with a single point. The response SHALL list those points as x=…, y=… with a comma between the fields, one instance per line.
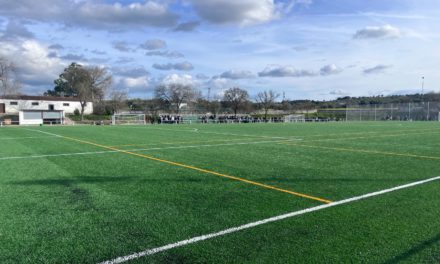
x=67, y=106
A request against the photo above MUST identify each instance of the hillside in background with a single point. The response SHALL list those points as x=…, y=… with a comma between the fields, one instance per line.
x=342, y=102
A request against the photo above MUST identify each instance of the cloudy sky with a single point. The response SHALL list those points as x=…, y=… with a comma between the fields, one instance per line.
x=305, y=49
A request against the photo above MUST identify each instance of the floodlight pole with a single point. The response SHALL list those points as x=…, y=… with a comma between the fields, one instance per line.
x=375, y=112
x=427, y=115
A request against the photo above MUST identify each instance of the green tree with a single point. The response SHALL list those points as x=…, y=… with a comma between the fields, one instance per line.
x=88, y=84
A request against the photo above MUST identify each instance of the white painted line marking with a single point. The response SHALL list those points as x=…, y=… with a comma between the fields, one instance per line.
x=47, y=133
x=56, y=155
x=18, y=138
x=134, y=150
x=193, y=240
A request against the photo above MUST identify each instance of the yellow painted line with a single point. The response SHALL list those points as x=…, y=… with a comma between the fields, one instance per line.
x=203, y=170
x=367, y=151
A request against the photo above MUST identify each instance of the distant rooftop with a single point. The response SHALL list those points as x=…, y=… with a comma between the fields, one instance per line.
x=39, y=98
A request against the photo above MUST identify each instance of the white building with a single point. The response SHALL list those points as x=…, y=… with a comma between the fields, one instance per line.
x=14, y=104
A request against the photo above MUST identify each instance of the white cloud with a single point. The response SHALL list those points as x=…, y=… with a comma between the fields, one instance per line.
x=289, y=71
x=330, y=70
x=237, y=74
x=166, y=54
x=35, y=66
x=187, y=26
x=56, y=47
x=154, y=44
x=16, y=29
x=92, y=14
x=220, y=83
x=181, y=66
x=377, y=69
x=134, y=83
x=383, y=32
x=285, y=71
x=243, y=12
x=74, y=58
x=184, y=79
x=121, y=46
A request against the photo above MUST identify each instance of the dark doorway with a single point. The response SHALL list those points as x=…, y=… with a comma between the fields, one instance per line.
x=51, y=107
x=2, y=108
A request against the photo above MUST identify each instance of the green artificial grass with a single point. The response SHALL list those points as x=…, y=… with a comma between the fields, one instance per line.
x=66, y=201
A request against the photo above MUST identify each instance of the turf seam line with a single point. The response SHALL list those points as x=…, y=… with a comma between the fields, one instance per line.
x=295, y=137
x=366, y=151
x=180, y=142
x=369, y=137
x=226, y=134
x=198, y=169
x=373, y=132
x=134, y=150
x=193, y=240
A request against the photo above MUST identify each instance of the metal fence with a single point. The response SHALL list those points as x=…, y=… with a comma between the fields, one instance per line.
x=423, y=111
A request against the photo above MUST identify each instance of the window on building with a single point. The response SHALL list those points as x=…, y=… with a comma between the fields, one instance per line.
x=35, y=103
x=66, y=104
x=13, y=103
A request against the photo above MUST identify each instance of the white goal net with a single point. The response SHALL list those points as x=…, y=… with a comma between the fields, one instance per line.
x=294, y=118
x=128, y=119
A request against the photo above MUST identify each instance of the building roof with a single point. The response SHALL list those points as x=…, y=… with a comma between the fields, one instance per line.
x=39, y=98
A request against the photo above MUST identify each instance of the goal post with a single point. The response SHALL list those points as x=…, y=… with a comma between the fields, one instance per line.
x=294, y=118
x=128, y=119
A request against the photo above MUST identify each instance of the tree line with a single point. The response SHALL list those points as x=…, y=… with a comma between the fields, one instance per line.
x=94, y=84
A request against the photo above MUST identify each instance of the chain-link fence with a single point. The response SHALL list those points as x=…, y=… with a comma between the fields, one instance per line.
x=424, y=111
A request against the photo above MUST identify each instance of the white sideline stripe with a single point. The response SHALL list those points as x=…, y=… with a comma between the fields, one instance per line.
x=47, y=133
x=193, y=240
x=57, y=155
x=15, y=138
x=134, y=150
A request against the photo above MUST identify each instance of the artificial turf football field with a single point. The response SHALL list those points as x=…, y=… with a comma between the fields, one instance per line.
x=88, y=194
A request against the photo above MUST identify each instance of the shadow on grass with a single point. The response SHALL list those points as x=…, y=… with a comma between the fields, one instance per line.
x=420, y=247
x=71, y=181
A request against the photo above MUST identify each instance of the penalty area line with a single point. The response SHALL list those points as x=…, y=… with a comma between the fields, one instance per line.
x=193, y=240
x=210, y=172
